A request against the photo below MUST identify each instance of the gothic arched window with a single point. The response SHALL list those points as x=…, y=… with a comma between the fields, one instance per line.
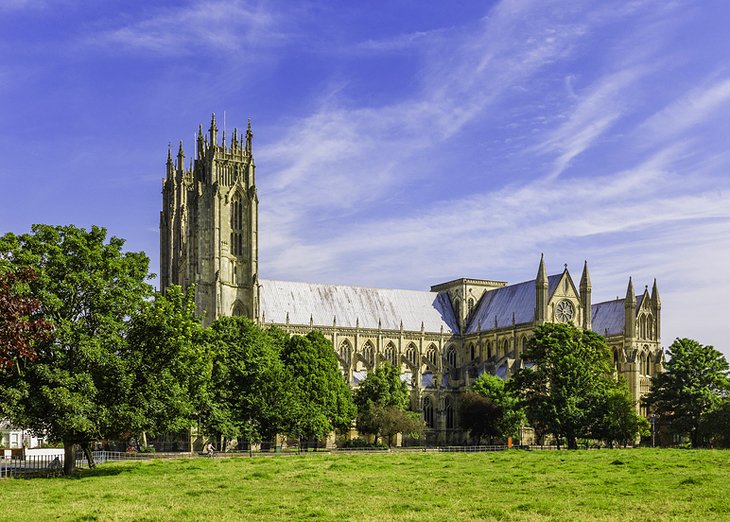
x=431, y=354
x=390, y=353
x=648, y=364
x=470, y=306
x=345, y=351
x=411, y=353
x=489, y=350
x=237, y=226
x=472, y=352
x=428, y=412
x=239, y=309
x=650, y=326
x=451, y=356
x=368, y=353
x=449, y=412
x=642, y=326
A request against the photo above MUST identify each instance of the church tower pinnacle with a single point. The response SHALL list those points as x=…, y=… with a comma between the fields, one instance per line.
x=209, y=227
x=585, y=296
x=541, y=293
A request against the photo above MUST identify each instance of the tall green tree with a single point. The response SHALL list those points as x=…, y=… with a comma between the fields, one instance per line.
x=479, y=415
x=695, y=381
x=321, y=400
x=249, y=397
x=568, y=381
x=381, y=394
x=75, y=390
x=169, y=364
x=511, y=414
x=615, y=417
x=715, y=424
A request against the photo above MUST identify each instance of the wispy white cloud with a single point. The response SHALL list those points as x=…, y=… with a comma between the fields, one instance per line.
x=204, y=25
x=702, y=104
x=593, y=115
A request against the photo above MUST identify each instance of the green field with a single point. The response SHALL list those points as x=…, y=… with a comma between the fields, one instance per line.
x=516, y=485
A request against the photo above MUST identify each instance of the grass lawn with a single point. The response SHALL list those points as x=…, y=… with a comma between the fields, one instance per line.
x=640, y=484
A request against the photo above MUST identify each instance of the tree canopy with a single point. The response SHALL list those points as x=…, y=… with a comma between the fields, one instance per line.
x=321, y=400
x=510, y=415
x=381, y=401
x=248, y=395
x=169, y=363
x=74, y=391
x=694, y=383
x=566, y=383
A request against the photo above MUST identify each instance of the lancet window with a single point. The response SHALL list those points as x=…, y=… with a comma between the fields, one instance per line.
x=428, y=412
x=237, y=226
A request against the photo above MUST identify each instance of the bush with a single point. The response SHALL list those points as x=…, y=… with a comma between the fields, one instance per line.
x=361, y=444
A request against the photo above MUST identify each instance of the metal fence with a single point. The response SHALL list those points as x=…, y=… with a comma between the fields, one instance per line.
x=29, y=466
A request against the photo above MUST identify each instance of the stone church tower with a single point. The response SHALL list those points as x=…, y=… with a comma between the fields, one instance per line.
x=209, y=224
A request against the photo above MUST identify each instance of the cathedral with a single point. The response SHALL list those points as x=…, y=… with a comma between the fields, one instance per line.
x=441, y=339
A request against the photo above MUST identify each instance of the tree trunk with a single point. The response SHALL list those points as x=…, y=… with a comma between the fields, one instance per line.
x=144, y=439
x=89, y=456
x=69, y=458
x=572, y=443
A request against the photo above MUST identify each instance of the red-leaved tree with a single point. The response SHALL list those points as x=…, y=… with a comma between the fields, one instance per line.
x=22, y=326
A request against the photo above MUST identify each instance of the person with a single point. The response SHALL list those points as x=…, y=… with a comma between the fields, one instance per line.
x=211, y=449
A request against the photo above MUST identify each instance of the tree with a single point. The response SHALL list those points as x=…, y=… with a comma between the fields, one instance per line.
x=249, y=396
x=570, y=375
x=392, y=420
x=74, y=390
x=695, y=381
x=715, y=424
x=382, y=388
x=615, y=417
x=321, y=399
x=169, y=364
x=511, y=415
x=479, y=415
x=22, y=326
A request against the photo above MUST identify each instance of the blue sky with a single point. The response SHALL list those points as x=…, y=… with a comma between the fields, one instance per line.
x=399, y=143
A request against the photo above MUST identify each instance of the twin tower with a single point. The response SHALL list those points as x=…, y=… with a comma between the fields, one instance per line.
x=209, y=224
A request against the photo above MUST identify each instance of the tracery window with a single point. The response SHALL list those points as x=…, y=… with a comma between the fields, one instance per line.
x=451, y=356
x=449, y=412
x=470, y=306
x=431, y=354
x=428, y=412
x=345, y=351
x=368, y=353
x=472, y=352
x=237, y=226
x=411, y=353
x=489, y=350
x=390, y=353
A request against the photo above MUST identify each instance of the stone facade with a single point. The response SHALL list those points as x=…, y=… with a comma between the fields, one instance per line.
x=441, y=339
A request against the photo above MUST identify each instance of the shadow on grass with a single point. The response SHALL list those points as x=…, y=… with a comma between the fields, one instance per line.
x=97, y=472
